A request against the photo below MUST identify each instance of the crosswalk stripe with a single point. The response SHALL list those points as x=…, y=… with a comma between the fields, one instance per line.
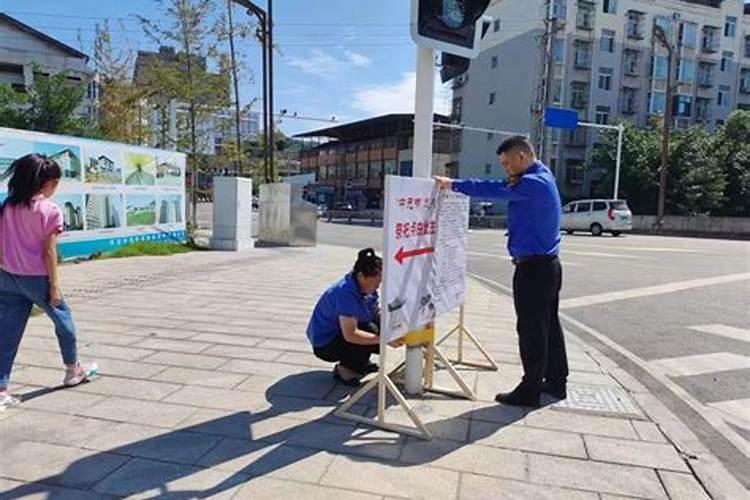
x=729, y=332
x=701, y=364
x=739, y=409
x=602, y=298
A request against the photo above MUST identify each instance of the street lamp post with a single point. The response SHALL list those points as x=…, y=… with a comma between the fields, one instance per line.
x=265, y=35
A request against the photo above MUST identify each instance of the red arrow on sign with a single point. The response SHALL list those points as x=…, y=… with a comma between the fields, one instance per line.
x=402, y=254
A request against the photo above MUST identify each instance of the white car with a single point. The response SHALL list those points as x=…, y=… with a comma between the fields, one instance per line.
x=597, y=217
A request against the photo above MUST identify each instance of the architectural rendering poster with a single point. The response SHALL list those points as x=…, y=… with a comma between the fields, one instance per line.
x=111, y=194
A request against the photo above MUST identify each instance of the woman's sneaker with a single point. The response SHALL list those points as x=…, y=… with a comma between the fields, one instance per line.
x=75, y=375
x=8, y=401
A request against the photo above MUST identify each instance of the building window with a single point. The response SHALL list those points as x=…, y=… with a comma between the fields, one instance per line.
x=723, y=97
x=705, y=74
x=582, y=54
x=634, y=26
x=683, y=105
x=630, y=62
x=218, y=145
x=488, y=169
x=747, y=46
x=665, y=24
x=730, y=26
x=492, y=98
x=558, y=50
x=607, y=42
x=629, y=101
x=602, y=115
x=489, y=136
x=689, y=35
x=605, y=78
x=496, y=25
x=658, y=103
x=579, y=96
x=557, y=90
x=745, y=81
x=574, y=172
x=494, y=62
x=609, y=6
x=702, y=110
x=719, y=123
x=560, y=9
x=585, y=15
x=660, y=70
x=686, y=71
x=726, y=61
x=710, y=39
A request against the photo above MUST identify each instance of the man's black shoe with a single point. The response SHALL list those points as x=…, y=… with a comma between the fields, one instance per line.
x=519, y=398
x=557, y=391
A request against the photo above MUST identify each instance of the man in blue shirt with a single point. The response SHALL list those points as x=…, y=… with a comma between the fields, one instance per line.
x=534, y=243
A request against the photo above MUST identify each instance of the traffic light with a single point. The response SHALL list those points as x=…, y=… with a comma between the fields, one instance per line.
x=452, y=66
x=451, y=26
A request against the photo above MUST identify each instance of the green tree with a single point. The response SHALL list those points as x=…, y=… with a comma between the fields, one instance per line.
x=696, y=180
x=186, y=79
x=13, y=106
x=120, y=99
x=53, y=104
x=639, y=173
x=733, y=153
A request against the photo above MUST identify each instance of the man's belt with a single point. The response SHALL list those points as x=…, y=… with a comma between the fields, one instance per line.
x=528, y=259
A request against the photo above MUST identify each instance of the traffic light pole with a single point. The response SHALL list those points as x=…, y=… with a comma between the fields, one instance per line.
x=423, y=118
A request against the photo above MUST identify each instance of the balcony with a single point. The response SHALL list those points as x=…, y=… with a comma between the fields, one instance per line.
x=710, y=42
x=629, y=104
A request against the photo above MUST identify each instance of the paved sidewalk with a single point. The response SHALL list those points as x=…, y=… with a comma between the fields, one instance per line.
x=209, y=389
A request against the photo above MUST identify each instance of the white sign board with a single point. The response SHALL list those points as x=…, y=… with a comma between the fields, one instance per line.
x=425, y=237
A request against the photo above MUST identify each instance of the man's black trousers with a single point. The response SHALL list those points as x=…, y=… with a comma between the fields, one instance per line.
x=536, y=296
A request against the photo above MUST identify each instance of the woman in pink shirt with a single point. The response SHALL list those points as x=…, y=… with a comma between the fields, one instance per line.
x=30, y=224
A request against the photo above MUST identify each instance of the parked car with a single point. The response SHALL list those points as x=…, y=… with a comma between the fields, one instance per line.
x=343, y=205
x=597, y=217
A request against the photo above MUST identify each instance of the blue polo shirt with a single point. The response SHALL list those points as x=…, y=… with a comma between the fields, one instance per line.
x=341, y=299
x=534, y=209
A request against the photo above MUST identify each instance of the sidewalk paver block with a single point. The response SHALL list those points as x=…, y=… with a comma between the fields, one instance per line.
x=656, y=455
x=478, y=459
x=142, y=478
x=61, y=465
x=595, y=476
x=392, y=479
x=682, y=486
x=274, y=489
x=528, y=439
x=475, y=487
x=140, y=412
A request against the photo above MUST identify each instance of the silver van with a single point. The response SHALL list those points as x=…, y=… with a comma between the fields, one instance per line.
x=597, y=217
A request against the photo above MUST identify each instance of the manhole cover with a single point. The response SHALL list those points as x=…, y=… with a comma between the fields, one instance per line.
x=599, y=399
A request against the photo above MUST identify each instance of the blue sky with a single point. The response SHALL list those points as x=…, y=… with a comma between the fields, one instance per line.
x=345, y=58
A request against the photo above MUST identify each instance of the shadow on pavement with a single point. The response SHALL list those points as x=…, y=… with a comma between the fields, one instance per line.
x=235, y=440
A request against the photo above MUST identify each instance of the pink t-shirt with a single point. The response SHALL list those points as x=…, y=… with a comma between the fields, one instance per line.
x=23, y=231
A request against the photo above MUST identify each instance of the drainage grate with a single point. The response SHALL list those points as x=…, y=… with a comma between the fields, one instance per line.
x=598, y=399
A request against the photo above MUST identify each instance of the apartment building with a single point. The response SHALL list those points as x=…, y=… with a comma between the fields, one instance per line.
x=602, y=60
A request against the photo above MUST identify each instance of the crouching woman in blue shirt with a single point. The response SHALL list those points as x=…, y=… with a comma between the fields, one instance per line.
x=345, y=324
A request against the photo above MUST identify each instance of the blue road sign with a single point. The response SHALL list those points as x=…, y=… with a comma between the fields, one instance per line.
x=561, y=118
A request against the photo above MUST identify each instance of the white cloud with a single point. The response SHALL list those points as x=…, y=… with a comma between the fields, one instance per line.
x=398, y=97
x=327, y=66
x=357, y=59
x=318, y=63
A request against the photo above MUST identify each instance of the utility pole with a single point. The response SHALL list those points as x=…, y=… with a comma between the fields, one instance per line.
x=543, y=91
x=271, y=143
x=237, y=114
x=665, y=40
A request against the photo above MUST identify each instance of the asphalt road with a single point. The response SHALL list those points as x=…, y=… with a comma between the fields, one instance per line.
x=679, y=307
